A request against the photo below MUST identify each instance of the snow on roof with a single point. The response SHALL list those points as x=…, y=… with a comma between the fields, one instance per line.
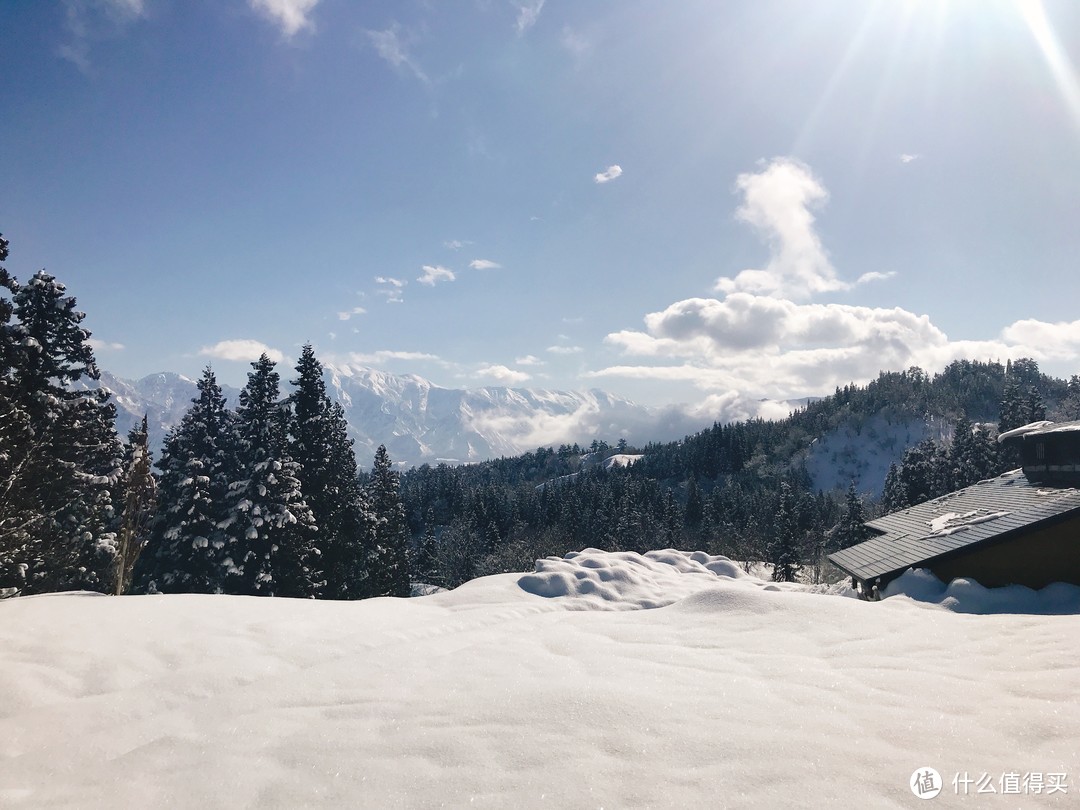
x=983, y=512
x=1023, y=430
x=1041, y=429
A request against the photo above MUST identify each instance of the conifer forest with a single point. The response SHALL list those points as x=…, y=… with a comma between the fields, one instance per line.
x=266, y=497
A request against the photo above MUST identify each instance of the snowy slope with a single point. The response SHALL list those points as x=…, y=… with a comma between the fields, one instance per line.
x=561, y=688
x=862, y=453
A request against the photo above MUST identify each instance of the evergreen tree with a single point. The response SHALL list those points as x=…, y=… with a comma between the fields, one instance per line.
x=851, y=529
x=139, y=497
x=424, y=560
x=271, y=527
x=187, y=550
x=1013, y=411
x=784, y=551
x=1070, y=408
x=1034, y=407
x=329, y=480
x=59, y=453
x=390, y=566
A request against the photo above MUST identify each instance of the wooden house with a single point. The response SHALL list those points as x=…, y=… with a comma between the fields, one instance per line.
x=1021, y=528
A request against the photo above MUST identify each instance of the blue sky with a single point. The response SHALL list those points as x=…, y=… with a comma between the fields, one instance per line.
x=692, y=202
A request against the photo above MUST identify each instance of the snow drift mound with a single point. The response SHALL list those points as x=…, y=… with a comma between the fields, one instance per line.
x=625, y=580
x=968, y=596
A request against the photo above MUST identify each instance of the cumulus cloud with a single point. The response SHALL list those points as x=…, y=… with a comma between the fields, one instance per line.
x=529, y=360
x=908, y=158
x=291, y=16
x=565, y=349
x=760, y=340
x=779, y=202
x=528, y=14
x=768, y=347
x=456, y=244
x=609, y=174
x=390, y=45
x=503, y=374
x=241, y=350
x=1054, y=340
x=433, y=274
x=484, y=264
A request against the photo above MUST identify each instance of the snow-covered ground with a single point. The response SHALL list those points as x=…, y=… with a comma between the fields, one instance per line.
x=600, y=680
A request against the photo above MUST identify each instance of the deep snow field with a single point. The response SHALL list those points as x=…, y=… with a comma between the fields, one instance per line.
x=602, y=680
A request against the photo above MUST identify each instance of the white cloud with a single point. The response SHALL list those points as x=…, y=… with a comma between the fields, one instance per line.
x=1054, y=340
x=241, y=350
x=609, y=174
x=907, y=158
x=344, y=316
x=386, y=354
x=484, y=264
x=529, y=360
x=456, y=244
x=104, y=345
x=87, y=21
x=503, y=374
x=758, y=342
x=389, y=45
x=875, y=275
x=768, y=347
x=778, y=201
x=565, y=349
x=392, y=288
x=291, y=16
x=433, y=274
x=528, y=14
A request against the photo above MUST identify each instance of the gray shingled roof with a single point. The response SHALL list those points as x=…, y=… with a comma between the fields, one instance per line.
x=984, y=513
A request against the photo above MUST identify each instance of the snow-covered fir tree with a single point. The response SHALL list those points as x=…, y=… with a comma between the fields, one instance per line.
x=850, y=530
x=784, y=546
x=59, y=452
x=271, y=526
x=187, y=550
x=390, y=566
x=328, y=478
x=138, y=495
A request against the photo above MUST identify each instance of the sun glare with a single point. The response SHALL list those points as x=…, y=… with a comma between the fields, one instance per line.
x=1062, y=69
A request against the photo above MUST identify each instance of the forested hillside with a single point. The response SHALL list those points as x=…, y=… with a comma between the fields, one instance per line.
x=739, y=489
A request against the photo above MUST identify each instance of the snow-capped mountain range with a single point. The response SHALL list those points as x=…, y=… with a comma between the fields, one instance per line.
x=421, y=422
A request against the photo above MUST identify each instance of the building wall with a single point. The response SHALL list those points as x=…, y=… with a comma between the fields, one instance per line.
x=1035, y=559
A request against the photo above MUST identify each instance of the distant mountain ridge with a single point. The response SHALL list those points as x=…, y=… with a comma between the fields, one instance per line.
x=421, y=422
